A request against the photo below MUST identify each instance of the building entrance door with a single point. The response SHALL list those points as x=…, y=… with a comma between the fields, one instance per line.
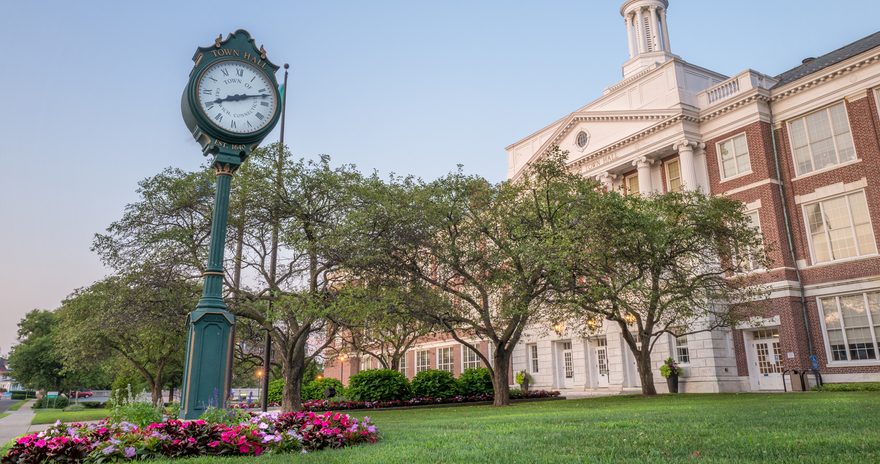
x=600, y=353
x=566, y=364
x=766, y=369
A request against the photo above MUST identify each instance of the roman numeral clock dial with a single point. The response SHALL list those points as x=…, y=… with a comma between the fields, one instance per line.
x=236, y=97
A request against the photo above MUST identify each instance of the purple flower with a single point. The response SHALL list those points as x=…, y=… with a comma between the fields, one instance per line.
x=109, y=450
x=130, y=452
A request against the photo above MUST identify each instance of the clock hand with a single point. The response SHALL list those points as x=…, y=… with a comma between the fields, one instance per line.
x=237, y=97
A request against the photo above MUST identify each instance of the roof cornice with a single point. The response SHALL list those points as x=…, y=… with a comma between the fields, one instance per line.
x=832, y=72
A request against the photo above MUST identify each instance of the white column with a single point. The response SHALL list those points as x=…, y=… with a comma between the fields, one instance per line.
x=607, y=180
x=655, y=39
x=629, y=37
x=666, y=46
x=643, y=165
x=685, y=150
x=640, y=32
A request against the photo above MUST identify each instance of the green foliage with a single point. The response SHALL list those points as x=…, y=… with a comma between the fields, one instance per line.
x=23, y=394
x=669, y=368
x=475, y=381
x=276, y=390
x=850, y=387
x=36, y=361
x=60, y=402
x=434, y=384
x=521, y=377
x=75, y=407
x=136, y=412
x=225, y=416
x=315, y=389
x=173, y=410
x=378, y=385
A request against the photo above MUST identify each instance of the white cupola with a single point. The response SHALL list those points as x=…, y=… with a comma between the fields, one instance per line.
x=646, y=33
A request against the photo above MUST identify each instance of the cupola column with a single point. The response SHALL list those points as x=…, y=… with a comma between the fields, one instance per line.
x=629, y=36
x=666, y=45
x=652, y=31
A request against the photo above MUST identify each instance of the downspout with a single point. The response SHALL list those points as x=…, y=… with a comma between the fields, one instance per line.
x=790, y=236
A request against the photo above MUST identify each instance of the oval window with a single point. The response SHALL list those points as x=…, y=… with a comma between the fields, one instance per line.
x=583, y=139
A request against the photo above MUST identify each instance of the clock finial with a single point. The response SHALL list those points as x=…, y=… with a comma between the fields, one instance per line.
x=218, y=40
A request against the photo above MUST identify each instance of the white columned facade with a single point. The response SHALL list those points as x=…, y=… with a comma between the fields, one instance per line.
x=666, y=45
x=685, y=150
x=629, y=37
x=655, y=36
x=607, y=180
x=643, y=165
x=640, y=32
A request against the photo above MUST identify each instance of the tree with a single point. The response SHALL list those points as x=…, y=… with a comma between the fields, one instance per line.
x=35, y=361
x=293, y=209
x=139, y=317
x=377, y=320
x=469, y=240
x=655, y=265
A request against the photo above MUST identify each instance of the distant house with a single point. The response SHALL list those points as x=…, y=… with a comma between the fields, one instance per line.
x=6, y=382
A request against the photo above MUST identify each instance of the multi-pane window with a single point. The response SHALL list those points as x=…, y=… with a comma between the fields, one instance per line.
x=444, y=359
x=567, y=361
x=631, y=184
x=682, y=353
x=821, y=139
x=852, y=326
x=401, y=366
x=366, y=363
x=673, y=176
x=734, y=155
x=422, y=361
x=840, y=228
x=745, y=260
x=470, y=359
x=532, y=350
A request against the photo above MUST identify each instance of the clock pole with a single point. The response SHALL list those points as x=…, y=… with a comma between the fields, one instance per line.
x=209, y=338
x=210, y=326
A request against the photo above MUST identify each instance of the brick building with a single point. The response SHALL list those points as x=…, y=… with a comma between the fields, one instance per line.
x=801, y=150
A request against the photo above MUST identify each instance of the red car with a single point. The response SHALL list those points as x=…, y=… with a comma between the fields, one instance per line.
x=81, y=394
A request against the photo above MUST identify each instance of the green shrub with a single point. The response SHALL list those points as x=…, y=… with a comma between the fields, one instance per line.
x=276, y=390
x=93, y=404
x=23, y=394
x=434, y=384
x=315, y=389
x=378, y=385
x=137, y=413
x=75, y=407
x=475, y=381
x=172, y=410
x=850, y=387
x=60, y=402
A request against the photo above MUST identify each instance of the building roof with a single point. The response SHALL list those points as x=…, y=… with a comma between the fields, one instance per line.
x=3, y=365
x=817, y=64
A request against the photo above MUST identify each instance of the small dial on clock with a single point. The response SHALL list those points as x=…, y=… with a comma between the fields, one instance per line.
x=236, y=97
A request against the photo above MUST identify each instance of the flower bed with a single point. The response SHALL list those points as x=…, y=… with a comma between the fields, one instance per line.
x=263, y=433
x=326, y=405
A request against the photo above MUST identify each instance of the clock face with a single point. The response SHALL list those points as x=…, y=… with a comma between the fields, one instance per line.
x=236, y=97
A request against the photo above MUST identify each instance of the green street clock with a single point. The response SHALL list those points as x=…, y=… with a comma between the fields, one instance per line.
x=230, y=104
x=231, y=101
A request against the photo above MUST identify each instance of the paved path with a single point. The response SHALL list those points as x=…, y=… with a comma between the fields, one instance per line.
x=16, y=423
x=5, y=404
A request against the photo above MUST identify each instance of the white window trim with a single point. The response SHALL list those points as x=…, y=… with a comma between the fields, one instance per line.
x=833, y=140
x=827, y=168
x=809, y=233
x=533, y=359
x=829, y=360
x=465, y=349
x=668, y=179
x=626, y=179
x=673, y=342
x=721, y=164
x=403, y=366
x=427, y=366
x=763, y=244
x=451, y=363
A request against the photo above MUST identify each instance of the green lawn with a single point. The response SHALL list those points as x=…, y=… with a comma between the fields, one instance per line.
x=3, y=414
x=49, y=416
x=801, y=428
x=17, y=405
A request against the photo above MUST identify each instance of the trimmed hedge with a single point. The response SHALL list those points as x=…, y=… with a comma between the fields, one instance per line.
x=378, y=385
x=23, y=394
x=315, y=390
x=850, y=387
x=434, y=384
x=475, y=381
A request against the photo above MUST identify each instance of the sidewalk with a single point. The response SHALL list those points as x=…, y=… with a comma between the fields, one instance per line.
x=16, y=423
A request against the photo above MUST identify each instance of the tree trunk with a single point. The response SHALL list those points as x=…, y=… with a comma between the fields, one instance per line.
x=171, y=393
x=291, y=399
x=646, y=375
x=501, y=378
x=156, y=393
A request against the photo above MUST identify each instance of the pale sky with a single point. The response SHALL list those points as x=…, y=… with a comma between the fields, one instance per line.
x=91, y=94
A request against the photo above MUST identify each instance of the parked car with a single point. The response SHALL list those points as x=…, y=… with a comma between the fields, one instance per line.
x=81, y=394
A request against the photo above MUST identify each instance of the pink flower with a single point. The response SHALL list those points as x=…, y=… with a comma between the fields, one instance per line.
x=214, y=444
x=243, y=449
